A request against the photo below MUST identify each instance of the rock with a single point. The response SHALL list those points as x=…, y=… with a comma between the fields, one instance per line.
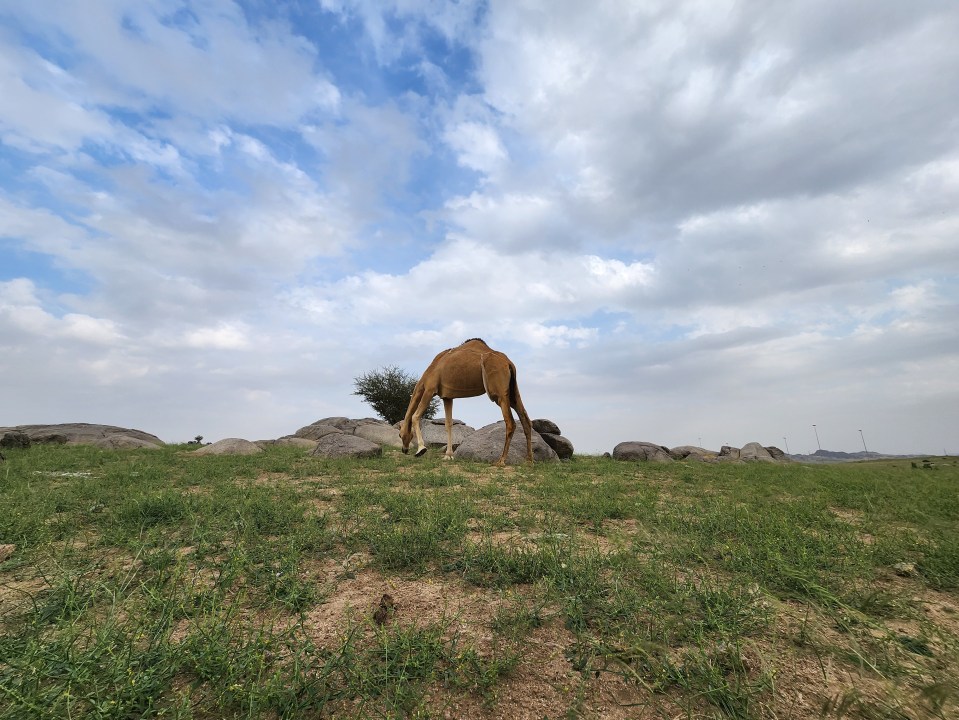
x=80, y=433
x=230, y=446
x=341, y=445
x=290, y=441
x=562, y=447
x=6, y=552
x=754, y=452
x=642, y=451
x=434, y=433
x=486, y=445
x=379, y=432
x=342, y=423
x=123, y=442
x=904, y=569
x=691, y=452
x=777, y=454
x=541, y=425
x=15, y=439
x=728, y=453
x=316, y=431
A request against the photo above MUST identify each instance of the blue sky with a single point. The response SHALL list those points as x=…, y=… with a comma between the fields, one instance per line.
x=685, y=222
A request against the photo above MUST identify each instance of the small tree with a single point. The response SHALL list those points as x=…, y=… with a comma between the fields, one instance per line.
x=388, y=390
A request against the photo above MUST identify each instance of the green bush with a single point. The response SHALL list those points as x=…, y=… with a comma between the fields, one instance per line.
x=388, y=390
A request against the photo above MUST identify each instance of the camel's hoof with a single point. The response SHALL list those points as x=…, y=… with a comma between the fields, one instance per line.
x=421, y=452
x=447, y=457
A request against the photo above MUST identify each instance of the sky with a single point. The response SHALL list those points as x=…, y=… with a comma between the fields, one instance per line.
x=687, y=222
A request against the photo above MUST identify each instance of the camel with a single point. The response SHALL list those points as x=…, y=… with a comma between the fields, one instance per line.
x=468, y=370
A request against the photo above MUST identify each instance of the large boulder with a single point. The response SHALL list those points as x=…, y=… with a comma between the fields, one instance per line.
x=691, y=452
x=642, y=452
x=123, y=442
x=380, y=432
x=777, y=454
x=542, y=425
x=341, y=445
x=434, y=433
x=288, y=441
x=230, y=446
x=82, y=434
x=486, y=445
x=727, y=453
x=561, y=446
x=343, y=423
x=316, y=431
x=754, y=452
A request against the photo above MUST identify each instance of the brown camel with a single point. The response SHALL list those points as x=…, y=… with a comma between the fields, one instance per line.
x=468, y=370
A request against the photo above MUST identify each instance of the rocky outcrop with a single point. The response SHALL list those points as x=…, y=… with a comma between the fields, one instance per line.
x=642, y=451
x=86, y=434
x=486, y=445
x=645, y=451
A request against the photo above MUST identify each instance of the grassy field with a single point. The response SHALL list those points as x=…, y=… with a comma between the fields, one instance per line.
x=156, y=584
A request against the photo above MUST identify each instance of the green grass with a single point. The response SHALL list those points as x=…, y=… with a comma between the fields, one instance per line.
x=158, y=584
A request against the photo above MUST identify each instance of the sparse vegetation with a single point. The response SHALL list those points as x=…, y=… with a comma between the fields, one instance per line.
x=388, y=391
x=159, y=584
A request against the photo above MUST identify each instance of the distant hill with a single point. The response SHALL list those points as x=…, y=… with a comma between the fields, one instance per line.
x=831, y=456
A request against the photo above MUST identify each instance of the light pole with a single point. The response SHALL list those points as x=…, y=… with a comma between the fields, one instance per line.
x=787, y=444
x=863, y=441
x=817, y=436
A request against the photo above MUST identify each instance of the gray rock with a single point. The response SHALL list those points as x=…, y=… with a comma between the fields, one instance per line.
x=642, y=451
x=754, y=452
x=230, y=446
x=486, y=445
x=691, y=452
x=379, y=432
x=316, y=431
x=777, y=454
x=123, y=442
x=343, y=423
x=79, y=433
x=434, y=433
x=341, y=445
x=291, y=441
x=562, y=446
x=728, y=453
x=542, y=425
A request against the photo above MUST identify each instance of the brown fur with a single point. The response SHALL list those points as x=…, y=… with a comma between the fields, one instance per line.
x=468, y=370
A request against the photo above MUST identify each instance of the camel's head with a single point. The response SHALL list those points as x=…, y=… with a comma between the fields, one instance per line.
x=406, y=434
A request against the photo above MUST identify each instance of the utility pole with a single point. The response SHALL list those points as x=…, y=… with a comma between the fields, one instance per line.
x=817, y=436
x=863, y=441
x=787, y=444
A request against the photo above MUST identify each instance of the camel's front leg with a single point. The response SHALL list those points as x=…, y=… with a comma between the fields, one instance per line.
x=448, y=410
x=422, y=404
x=510, y=427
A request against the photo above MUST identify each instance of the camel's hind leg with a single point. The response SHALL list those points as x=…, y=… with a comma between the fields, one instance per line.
x=517, y=403
x=510, y=427
x=448, y=410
